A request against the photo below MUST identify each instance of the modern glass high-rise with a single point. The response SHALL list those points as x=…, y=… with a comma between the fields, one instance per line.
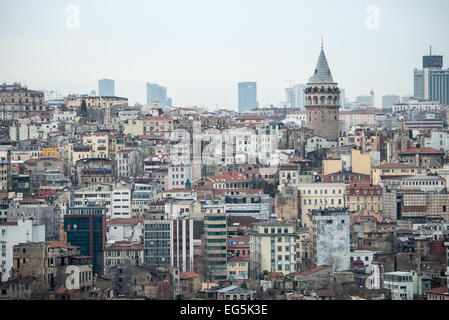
x=342, y=99
x=247, y=96
x=296, y=96
x=106, y=88
x=388, y=101
x=86, y=228
x=156, y=92
x=432, y=82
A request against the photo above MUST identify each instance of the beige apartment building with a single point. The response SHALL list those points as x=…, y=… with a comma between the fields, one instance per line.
x=74, y=102
x=133, y=127
x=272, y=248
x=158, y=126
x=393, y=170
x=16, y=102
x=99, y=141
x=314, y=196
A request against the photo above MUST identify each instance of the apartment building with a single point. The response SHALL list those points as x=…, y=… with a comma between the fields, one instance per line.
x=215, y=244
x=99, y=142
x=49, y=262
x=364, y=196
x=331, y=239
x=272, y=248
x=178, y=175
x=314, y=196
x=17, y=101
x=403, y=285
x=122, y=252
x=13, y=233
x=169, y=243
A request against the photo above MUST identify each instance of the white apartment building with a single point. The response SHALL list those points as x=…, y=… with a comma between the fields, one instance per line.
x=100, y=194
x=363, y=255
x=178, y=174
x=121, y=202
x=403, y=285
x=438, y=140
x=13, y=233
x=415, y=104
x=142, y=196
x=65, y=116
x=115, y=199
x=436, y=231
x=317, y=142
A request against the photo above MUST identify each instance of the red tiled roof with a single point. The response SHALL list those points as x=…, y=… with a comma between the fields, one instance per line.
x=395, y=166
x=229, y=177
x=421, y=151
x=238, y=259
x=188, y=275
x=299, y=159
x=275, y=274
x=178, y=190
x=324, y=293
x=61, y=244
x=64, y=290
x=14, y=223
x=125, y=151
x=438, y=290
x=311, y=271
x=243, y=191
x=250, y=118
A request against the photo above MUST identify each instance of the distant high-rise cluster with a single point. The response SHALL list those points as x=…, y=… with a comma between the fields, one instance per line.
x=299, y=201
x=388, y=101
x=157, y=93
x=247, y=96
x=106, y=88
x=432, y=82
x=296, y=96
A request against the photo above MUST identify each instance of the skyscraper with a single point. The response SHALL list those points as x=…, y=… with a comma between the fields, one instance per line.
x=106, y=88
x=247, y=96
x=156, y=92
x=432, y=82
x=388, y=101
x=296, y=96
x=342, y=99
x=323, y=101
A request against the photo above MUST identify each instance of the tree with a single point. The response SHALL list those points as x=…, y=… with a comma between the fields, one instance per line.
x=136, y=164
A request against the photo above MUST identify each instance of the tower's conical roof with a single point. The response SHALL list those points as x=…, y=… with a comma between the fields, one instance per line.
x=322, y=72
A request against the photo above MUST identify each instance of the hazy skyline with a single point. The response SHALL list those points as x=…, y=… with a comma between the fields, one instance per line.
x=201, y=49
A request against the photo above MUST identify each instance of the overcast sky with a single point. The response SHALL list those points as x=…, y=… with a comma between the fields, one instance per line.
x=201, y=49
